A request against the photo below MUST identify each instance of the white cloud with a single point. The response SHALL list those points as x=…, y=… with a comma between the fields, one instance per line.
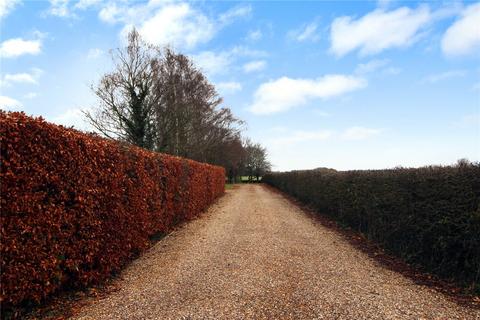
x=434, y=78
x=85, y=4
x=301, y=136
x=31, y=95
x=169, y=23
x=247, y=52
x=392, y=70
x=378, y=30
x=16, y=47
x=94, y=53
x=7, y=6
x=19, y=78
x=10, y=104
x=120, y=11
x=110, y=13
x=285, y=93
x=229, y=87
x=306, y=32
x=31, y=78
x=359, y=133
x=463, y=36
x=178, y=25
x=253, y=66
x=213, y=63
x=254, y=35
x=234, y=13
x=59, y=8
x=371, y=66
x=377, y=66
x=72, y=117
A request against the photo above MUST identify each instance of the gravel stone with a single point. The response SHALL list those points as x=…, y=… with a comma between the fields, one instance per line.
x=255, y=255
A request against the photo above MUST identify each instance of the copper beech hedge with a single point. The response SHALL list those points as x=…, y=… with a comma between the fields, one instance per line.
x=76, y=207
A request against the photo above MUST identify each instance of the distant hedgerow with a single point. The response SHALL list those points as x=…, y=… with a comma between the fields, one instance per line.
x=428, y=216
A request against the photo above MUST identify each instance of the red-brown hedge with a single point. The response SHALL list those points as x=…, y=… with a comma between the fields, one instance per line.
x=76, y=207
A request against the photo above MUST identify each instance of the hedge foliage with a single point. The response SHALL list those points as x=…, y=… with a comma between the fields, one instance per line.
x=75, y=207
x=428, y=216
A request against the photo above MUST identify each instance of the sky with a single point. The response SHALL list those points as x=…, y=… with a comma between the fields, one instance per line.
x=338, y=84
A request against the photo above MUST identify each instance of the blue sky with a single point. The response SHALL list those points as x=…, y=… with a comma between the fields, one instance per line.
x=346, y=85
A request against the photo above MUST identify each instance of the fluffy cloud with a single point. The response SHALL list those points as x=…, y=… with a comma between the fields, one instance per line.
x=253, y=66
x=29, y=78
x=6, y=6
x=31, y=95
x=359, y=133
x=85, y=4
x=254, y=35
x=463, y=37
x=72, y=117
x=371, y=66
x=377, y=66
x=378, y=30
x=235, y=13
x=7, y=103
x=243, y=51
x=213, y=63
x=170, y=23
x=286, y=93
x=18, y=78
x=111, y=13
x=162, y=23
x=16, y=47
x=179, y=25
x=306, y=32
x=434, y=78
x=59, y=8
x=229, y=87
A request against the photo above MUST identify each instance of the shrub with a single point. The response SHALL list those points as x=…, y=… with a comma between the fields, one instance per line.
x=428, y=216
x=75, y=207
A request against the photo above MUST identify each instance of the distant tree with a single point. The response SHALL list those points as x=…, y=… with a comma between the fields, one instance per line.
x=157, y=99
x=463, y=163
x=256, y=163
x=127, y=99
x=190, y=122
x=231, y=155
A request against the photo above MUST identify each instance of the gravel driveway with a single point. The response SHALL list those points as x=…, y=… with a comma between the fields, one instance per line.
x=254, y=255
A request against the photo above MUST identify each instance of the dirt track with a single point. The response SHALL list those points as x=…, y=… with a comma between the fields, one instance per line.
x=254, y=255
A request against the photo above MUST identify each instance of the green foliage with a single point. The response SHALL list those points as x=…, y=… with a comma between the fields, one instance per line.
x=428, y=216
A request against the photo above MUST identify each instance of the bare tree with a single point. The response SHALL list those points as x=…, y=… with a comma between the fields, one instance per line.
x=127, y=98
x=190, y=121
x=157, y=99
x=256, y=163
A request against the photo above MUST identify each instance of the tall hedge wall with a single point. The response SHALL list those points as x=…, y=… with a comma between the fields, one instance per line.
x=76, y=207
x=428, y=216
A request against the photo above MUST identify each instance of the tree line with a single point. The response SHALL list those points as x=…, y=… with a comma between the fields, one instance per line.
x=159, y=100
